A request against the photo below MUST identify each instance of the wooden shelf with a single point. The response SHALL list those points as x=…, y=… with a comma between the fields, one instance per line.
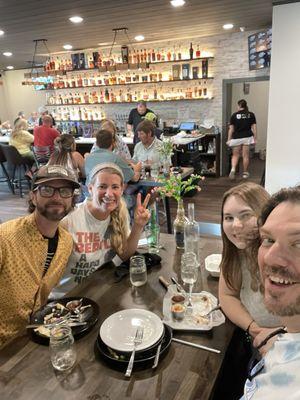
x=129, y=84
x=124, y=102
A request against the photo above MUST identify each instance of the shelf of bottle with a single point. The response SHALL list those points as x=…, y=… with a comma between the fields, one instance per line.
x=125, y=102
x=130, y=83
x=112, y=68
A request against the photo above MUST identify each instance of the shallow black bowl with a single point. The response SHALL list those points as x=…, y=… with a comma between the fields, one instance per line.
x=78, y=331
x=143, y=359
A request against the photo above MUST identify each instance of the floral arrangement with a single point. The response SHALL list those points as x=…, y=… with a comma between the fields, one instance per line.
x=166, y=149
x=174, y=186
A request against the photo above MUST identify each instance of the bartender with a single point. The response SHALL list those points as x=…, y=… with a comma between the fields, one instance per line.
x=136, y=116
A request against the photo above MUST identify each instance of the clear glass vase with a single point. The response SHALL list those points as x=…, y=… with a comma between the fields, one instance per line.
x=179, y=225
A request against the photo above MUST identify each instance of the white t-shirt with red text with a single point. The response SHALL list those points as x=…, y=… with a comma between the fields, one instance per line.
x=91, y=248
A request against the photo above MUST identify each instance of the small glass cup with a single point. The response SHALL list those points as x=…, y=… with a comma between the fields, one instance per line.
x=138, y=271
x=152, y=233
x=63, y=353
x=155, y=170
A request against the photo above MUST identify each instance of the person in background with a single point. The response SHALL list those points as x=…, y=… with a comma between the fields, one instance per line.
x=34, y=250
x=239, y=294
x=45, y=135
x=22, y=140
x=105, y=144
x=21, y=115
x=241, y=134
x=277, y=375
x=43, y=111
x=137, y=115
x=100, y=227
x=33, y=120
x=120, y=147
x=147, y=150
x=65, y=154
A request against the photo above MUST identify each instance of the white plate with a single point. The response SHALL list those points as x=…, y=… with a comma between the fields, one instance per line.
x=118, y=330
x=212, y=264
x=193, y=322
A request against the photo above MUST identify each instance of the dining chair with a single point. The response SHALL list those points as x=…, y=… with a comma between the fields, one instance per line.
x=5, y=177
x=19, y=166
x=41, y=155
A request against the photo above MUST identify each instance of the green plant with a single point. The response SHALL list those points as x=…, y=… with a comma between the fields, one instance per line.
x=167, y=148
x=174, y=186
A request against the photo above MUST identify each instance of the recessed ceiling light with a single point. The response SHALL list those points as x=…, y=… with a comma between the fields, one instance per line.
x=139, y=38
x=76, y=19
x=1, y=33
x=10, y=67
x=177, y=3
x=67, y=46
x=227, y=26
x=7, y=54
x=242, y=28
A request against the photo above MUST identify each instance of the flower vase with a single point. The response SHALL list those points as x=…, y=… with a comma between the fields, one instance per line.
x=166, y=163
x=179, y=224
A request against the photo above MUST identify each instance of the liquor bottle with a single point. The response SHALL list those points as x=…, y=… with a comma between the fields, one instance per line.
x=158, y=56
x=174, y=54
x=86, y=97
x=145, y=55
x=179, y=54
x=153, y=56
x=191, y=232
x=191, y=52
x=79, y=81
x=204, y=68
x=169, y=55
x=153, y=232
x=179, y=224
x=149, y=56
x=106, y=96
x=198, y=52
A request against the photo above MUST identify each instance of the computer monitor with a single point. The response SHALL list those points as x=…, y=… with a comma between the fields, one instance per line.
x=187, y=126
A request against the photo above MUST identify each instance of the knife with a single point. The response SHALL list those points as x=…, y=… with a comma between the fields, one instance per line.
x=179, y=287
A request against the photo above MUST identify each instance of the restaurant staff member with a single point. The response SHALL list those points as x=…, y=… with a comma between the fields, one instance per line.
x=242, y=132
x=137, y=115
x=34, y=250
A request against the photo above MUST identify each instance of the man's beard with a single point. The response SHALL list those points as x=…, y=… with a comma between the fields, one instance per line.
x=273, y=300
x=52, y=214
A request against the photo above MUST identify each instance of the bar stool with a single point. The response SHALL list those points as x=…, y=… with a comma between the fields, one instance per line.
x=19, y=166
x=5, y=177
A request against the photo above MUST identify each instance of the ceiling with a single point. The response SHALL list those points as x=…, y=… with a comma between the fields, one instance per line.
x=26, y=20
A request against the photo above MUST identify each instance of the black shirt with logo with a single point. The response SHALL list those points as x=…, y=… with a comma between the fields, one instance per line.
x=242, y=122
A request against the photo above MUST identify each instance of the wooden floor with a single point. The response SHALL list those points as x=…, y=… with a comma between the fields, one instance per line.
x=207, y=202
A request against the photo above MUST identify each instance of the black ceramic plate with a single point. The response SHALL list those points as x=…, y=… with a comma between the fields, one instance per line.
x=143, y=359
x=91, y=317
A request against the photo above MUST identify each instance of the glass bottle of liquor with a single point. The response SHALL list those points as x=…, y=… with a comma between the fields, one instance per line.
x=106, y=95
x=191, y=52
x=169, y=55
x=179, y=53
x=153, y=55
x=198, y=52
x=179, y=224
x=191, y=232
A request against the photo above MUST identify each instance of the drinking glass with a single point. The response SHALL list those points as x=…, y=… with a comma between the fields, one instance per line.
x=63, y=353
x=138, y=271
x=189, y=273
x=155, y=170
x=152, y=232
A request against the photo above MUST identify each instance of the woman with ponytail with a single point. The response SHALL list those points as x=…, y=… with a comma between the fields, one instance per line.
x=242, y=133
x=100, y=227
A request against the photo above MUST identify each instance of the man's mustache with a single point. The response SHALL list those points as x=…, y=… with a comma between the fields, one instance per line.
x=281, y=272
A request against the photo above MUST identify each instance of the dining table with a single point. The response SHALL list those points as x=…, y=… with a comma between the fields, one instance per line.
x=184, y=373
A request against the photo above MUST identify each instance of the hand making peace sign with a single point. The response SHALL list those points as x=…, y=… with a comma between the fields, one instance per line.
x=141, y=214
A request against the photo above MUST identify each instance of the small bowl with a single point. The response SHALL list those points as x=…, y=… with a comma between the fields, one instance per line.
x=178, y=311
x=178, y=298
x=212, y=264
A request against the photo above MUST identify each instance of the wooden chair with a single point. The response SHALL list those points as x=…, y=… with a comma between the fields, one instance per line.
x=19, y=166
x=5, y=177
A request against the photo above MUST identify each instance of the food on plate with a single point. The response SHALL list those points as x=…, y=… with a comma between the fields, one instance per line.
x=178, y=298
x=178, y=311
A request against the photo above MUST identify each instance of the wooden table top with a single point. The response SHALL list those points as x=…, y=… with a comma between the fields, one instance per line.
x=185, y=373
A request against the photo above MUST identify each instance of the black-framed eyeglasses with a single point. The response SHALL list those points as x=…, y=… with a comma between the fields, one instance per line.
x=48, y=191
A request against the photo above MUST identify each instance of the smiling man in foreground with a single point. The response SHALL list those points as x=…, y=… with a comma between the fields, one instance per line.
x=277, y=375
x=34, y=250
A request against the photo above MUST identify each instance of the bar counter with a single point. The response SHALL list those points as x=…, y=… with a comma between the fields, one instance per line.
x=184, y=373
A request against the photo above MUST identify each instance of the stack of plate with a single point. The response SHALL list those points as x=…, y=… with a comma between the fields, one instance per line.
x=115, y=340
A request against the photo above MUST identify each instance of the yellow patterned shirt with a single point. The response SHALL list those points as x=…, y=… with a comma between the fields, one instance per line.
x=23, y=288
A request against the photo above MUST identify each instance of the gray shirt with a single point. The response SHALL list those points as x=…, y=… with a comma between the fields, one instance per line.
x=142, y=153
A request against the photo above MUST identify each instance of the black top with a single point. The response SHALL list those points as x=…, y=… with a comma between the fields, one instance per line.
x=52, y=246
x=134, y=119
x=242, y=121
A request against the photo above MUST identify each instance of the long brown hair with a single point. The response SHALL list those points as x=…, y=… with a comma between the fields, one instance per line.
x=63, y=147
x=119, y=221
x=255, y=196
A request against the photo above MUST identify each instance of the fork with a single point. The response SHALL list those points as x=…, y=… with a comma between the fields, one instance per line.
x=137, y=340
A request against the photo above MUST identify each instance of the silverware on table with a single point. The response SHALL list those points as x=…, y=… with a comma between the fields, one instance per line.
x=218, y=307
x=137, y=340
x=178, y=286
x=157, y=356
x=198, y=346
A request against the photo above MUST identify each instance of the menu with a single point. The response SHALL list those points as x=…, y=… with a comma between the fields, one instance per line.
x=259, y=45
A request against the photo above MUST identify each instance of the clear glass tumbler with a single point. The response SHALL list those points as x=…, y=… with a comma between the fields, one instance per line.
x=138, y=270
x=63, y=353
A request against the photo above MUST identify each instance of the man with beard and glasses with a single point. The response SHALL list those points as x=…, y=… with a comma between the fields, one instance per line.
x=277, y=375
x=34, y=250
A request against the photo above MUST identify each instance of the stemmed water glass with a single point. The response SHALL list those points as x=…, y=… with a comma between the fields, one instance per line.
x=189, y=273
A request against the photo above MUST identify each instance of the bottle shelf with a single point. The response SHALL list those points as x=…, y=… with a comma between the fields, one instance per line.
x=183, y=60
x=126, y=102
x=129, y=84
